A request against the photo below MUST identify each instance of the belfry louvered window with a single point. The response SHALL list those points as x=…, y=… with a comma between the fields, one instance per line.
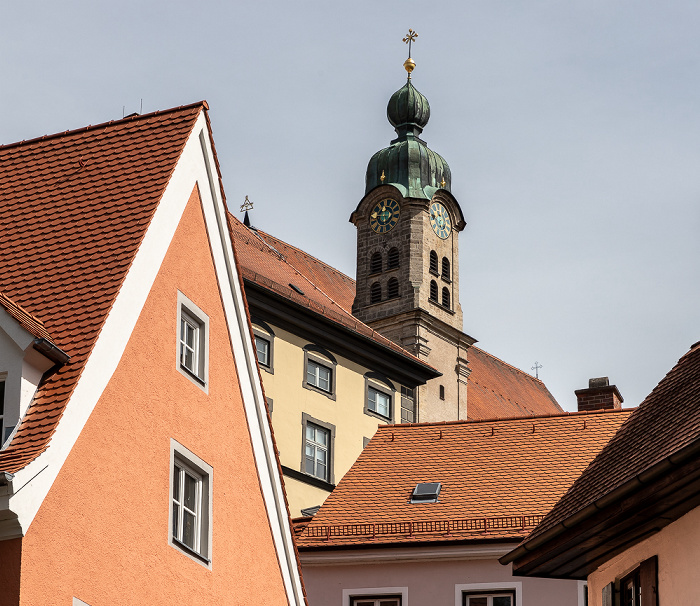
x=375, y=264
x=433, y=263
x=393, y=259
x=375, y=293
x=445, y=269
x=392, y=290
x=433, y=290
x=446, y=297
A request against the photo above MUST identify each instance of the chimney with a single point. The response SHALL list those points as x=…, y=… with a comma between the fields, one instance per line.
x=600, y=395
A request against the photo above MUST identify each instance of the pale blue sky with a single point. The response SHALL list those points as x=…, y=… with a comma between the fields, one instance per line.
x=572, y=130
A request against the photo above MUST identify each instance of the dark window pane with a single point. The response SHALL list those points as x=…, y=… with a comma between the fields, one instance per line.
x=176, y=483
x=375, y=295
x=190, y=500
x=375, y=265
x=188, y=529
x=176, y=519
x=502, y=601
x=433, y=262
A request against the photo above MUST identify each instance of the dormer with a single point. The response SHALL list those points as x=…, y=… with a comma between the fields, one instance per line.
x=27, y=353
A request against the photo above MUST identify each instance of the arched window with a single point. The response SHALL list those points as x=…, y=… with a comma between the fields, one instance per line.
x=375, y=264
x=433, y=263
x=433, y=290
x=393, y=259
x=445, y=269
x=375, y=293
x=446, y=297
x=392, y=289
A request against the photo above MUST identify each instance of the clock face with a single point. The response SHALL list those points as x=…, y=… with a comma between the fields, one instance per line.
x=440, y=220
x=384, y=216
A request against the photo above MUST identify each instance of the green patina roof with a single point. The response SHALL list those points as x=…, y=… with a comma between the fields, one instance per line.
x=408, y=163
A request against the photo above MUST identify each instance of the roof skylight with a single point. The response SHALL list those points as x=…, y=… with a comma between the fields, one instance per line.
x=426, y=492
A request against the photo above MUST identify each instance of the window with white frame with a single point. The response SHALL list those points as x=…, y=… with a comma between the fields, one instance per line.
x=262, y=347
x=193, y=341
x=379, y=402
x=489, y=598
x=318, y=375
x=190, y=511
x=377, y=601
x=317, y=451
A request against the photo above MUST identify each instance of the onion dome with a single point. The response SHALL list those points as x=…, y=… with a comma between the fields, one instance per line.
x=408, y=163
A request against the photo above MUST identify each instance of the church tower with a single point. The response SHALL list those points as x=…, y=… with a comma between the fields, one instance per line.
x=408, y=226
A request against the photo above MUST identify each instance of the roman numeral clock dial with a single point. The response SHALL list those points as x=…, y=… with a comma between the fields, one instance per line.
x=440, y=220
x=384, y=216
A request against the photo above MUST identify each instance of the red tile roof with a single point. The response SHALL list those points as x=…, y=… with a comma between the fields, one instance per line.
x=277, y=267
x=665, y=423
x=26, y=320
x=499, y=478
x=75, y=208
x=497, y=389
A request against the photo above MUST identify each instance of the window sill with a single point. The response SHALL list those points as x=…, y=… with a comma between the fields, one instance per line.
x=371, y=413
x=445, y=309
x=307, y=479
x=267, y=368
x=433, y=273
x=189, y=551
x=330, y=395
x=446, y=280
x=193, y=375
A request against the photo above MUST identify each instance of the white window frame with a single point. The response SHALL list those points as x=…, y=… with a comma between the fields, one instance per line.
x=516, y=586
x=378, y=392
x=317, y=366
x=190, y=463
x=349, y=594
x=268, y=352
x=191, y=314
x=318, y=446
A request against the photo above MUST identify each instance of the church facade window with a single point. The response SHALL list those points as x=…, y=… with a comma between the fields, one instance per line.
x=376, y=263
x=375, y=293
x=392, y=290
x=393, y=258
x=433, y=290
x=446, y=297
x=433, y=263
x=446, y=269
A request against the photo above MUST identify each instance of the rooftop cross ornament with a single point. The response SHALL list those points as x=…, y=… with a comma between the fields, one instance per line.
x=536, y=368
x=409, y=65
x=247, y=205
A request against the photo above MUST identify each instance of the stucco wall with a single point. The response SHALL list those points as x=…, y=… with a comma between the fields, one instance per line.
x=101, y=534
x=678, y=549
x=346, y=412
x=431, y=583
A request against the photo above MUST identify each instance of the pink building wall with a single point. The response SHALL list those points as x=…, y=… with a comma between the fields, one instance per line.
x=430, y=583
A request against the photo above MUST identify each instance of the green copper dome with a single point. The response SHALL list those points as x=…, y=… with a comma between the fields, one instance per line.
x=408, y=163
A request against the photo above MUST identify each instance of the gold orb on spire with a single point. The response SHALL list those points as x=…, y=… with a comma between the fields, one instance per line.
x=409, y=64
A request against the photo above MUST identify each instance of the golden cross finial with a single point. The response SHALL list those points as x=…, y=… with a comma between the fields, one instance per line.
x=442, y=183
x=409, y=65
x=247, y=205
x=382, y=177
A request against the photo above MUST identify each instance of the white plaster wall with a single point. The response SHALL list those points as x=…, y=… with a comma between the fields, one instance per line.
x=431, y=583
x=678, y=549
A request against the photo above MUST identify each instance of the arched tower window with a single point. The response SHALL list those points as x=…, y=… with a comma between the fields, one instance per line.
x=446, y=269
x=433, y=290
x=446, y=297
x=375, y=264
x=393, y=259
x=392, y=289
x=433, y=264
x=375, y=293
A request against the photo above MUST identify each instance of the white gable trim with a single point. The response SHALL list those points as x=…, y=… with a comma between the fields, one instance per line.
x=32, y=483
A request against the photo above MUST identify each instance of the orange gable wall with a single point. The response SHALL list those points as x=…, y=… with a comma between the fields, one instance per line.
x=101, y=534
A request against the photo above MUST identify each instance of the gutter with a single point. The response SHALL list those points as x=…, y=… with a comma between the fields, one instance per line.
x=634, y=484
x=53, y=353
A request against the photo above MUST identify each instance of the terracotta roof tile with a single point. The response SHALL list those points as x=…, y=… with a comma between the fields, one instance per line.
x=29, y=322
x=499, y=478
x=75, y=208
x=497, y=389
x=667, y=421
x=279, y=267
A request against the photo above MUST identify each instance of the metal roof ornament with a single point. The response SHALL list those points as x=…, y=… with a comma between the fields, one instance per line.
x=247, y=205
x=409, y=65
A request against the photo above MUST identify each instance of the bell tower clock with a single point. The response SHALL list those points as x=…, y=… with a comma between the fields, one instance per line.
x=407, y=276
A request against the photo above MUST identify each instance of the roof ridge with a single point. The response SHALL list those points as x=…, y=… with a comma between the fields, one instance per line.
x=90, y=127
x=520, y=370
x=566, y=414
x=336, y=270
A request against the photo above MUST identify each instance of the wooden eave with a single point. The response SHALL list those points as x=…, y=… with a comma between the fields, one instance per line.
x=629, y=514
